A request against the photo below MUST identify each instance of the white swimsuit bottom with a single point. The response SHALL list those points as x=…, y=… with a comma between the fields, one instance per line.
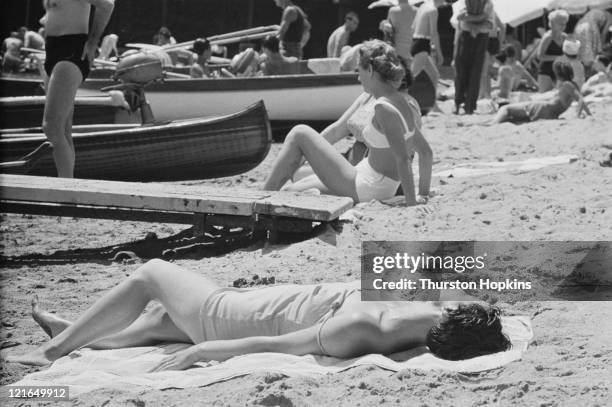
x=370, y=184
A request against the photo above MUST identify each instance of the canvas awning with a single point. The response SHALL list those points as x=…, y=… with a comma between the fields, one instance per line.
x=516, y=12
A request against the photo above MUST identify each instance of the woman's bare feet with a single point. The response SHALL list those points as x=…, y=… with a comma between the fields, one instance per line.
x=35, y=358
x=51, y=324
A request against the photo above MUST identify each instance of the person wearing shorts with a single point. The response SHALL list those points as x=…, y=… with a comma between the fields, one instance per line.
x=71, y=45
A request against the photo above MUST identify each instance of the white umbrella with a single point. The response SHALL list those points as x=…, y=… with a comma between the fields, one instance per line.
x=516, y=12
x=391, y=3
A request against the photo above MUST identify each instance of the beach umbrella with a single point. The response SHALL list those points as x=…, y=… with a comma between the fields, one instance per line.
x=391, y=3
x=516, y=12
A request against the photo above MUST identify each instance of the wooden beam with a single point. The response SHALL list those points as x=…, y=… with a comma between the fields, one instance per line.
x=163, y=197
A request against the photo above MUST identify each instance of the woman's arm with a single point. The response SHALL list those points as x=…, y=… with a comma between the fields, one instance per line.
x=343, y=336
x=390, y=122
x=338, y=129
x=581, y=103
x=543, y=46
x=526, y=75
x=425, y=153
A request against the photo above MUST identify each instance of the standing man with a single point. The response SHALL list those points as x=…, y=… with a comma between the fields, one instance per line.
x=474, y=20
x=398, y=28
x=426, y=39
x=71, y=47
x=340, y=37
x=294, y=30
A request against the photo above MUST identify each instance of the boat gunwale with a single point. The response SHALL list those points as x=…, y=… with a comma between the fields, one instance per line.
x=185, y=124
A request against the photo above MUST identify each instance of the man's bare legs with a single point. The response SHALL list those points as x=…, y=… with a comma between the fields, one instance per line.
x=57, y=121
x=327, y=163
x=181, y=292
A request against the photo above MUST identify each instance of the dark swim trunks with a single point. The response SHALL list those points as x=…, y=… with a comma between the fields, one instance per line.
x=66, y=48
x=420, y=45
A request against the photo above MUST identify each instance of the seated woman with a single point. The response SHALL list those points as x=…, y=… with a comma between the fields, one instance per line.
x=391, y=133
x=325, y=319
x=550, y=108
x=511, y=74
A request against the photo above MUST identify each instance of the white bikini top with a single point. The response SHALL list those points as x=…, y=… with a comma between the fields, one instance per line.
x=376, y=139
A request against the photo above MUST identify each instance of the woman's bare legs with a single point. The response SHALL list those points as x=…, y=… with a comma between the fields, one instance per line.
x=152, y=327
x=57, y=121
x=514, y=113
x=329, y=165
x=180, y=291
x=309, y=182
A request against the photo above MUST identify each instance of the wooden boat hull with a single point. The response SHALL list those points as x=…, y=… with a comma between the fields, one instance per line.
x=27, y=111
x=288, y=98
x=181, y=150
x=21, y=85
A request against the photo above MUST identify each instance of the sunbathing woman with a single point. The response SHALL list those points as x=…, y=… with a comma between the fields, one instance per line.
x=391, y=134
x=325, y=319
x=550, y=108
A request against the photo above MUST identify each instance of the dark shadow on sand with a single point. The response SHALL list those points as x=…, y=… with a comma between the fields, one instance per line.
x=216, y=241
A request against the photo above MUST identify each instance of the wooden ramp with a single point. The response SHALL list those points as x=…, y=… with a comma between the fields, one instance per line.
x=156, y=202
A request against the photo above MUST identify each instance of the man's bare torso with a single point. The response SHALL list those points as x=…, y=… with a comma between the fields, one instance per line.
x=67, y=17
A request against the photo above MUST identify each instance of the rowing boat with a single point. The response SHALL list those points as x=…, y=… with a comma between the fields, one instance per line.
x=302, y=97
x=172, y=151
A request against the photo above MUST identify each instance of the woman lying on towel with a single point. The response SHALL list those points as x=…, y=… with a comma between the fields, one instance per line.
x=550, y=108
x=325, y=319
x=391, y=132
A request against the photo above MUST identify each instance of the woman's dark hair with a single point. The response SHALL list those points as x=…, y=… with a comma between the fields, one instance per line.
x=468, y=331
x=270, y=42
x=563, y=70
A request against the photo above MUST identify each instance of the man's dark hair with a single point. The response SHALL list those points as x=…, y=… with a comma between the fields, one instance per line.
x=200, y=46
x=270, y=42
x=165, y=32
x=507, y=52
x=468, y=331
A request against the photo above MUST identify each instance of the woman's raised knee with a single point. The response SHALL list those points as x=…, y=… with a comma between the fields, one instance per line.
x=299, y=133
x=147, y=272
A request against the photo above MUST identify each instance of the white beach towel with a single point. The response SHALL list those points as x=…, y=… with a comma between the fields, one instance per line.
x=124, y=369
x=486, y=168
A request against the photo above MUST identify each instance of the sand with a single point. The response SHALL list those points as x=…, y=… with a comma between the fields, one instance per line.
x=568, y=363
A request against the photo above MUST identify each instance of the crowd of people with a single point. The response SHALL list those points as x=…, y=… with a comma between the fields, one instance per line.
x=386, y=123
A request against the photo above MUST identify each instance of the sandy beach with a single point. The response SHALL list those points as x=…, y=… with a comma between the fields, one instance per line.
x=568, y=363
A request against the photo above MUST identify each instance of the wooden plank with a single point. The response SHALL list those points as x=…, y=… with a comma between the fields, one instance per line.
x=171, y=197
x=155, y=196
x=304, y=206
x=93, y=212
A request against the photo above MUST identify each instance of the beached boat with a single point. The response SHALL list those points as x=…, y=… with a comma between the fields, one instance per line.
x=179, y=150
x=20, y=85
x=304, y=97
x=27, y=111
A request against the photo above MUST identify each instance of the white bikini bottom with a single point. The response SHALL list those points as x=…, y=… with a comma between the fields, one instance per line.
x=370, y=184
